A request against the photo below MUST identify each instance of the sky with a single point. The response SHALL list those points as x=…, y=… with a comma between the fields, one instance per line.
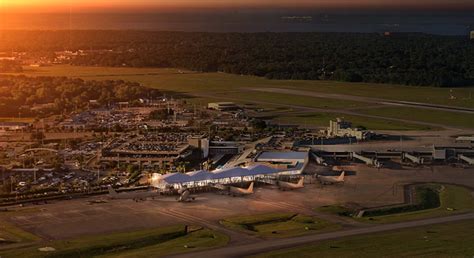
x=11, y=6
x=447, y=17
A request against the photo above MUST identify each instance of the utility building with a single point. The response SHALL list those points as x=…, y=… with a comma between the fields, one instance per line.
x=341, y=128
x=13, y=126
x=291, y=162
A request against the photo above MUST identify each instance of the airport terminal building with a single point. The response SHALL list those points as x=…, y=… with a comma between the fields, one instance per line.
x=266, y=166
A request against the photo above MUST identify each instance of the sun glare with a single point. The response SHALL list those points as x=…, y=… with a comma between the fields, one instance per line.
x=88, y=5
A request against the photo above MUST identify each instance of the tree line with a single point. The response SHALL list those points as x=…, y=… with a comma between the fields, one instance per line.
x=405, y=58
x=19, y=95
x=8, y=66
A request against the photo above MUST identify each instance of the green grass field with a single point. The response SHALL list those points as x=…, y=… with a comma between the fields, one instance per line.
x=171, y=79
x=429, y=116
x=446, y=240
x=220, y=86
x=13, y=234
x=453, y=200
x=287, y=115
x=322, y=119
x=339, y=210
x=276, y=225
x=16, y=119
x=145, y=243
x=286, y=99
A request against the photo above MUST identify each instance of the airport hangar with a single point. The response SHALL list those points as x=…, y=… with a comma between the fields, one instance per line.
x=265, y=166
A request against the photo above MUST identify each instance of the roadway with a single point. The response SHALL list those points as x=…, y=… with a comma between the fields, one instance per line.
x=241, y=250
x=249, y=148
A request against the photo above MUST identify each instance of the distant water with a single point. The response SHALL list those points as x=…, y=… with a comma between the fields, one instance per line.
x=441, y=23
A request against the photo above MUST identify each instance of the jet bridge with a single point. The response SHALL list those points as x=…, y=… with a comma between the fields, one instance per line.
x=412, y=158
x=469, y=160
x=368, y=161
x=319, y=160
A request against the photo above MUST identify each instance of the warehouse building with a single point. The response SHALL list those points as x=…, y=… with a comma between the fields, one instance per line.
x=223, y=106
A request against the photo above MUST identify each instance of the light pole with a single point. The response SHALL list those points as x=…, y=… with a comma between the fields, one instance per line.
x=34, y=174
x=11, y=184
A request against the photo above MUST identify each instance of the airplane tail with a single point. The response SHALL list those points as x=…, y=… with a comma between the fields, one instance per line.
x=184, y=196
x=250, y=189
x=112, y=191
x=341, y=177
x=301, y=182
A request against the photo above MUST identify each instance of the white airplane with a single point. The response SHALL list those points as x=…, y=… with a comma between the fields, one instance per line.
x=291, y=186
x=236, y=191
x=185, y=196
x=96, y=201
x=136, y=196
x=332, y=179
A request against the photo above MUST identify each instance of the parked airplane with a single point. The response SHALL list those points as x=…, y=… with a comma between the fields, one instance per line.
x=96, y=201
x=291, y=186
x=185, y=196
x=236, y=191
x=136, y=196
x=332, y=179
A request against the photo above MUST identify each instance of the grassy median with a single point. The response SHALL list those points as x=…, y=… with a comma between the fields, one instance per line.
x=446, y=240
x=452, y=200
x=278, y=225
x=145, y=243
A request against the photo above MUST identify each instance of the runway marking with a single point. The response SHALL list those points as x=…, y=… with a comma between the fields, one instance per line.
x=282, y=204
x=184, y=216
x=22, y=221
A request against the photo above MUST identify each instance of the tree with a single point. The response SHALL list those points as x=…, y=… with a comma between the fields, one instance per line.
x=161, y=114
x=259, y=124
x=38, y=136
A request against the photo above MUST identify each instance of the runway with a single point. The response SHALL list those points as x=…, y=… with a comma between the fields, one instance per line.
x=458, y=129
x=376, y=101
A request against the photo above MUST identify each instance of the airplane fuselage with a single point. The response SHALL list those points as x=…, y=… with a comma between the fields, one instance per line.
x=291, y=186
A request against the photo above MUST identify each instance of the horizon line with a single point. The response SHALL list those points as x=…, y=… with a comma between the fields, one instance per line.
x=243, y=8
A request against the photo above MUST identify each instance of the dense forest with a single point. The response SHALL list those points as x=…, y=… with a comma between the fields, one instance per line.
x=412, y=59
x=55, y=95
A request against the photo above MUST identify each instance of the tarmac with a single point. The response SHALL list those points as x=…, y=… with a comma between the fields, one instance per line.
x=367, y=187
